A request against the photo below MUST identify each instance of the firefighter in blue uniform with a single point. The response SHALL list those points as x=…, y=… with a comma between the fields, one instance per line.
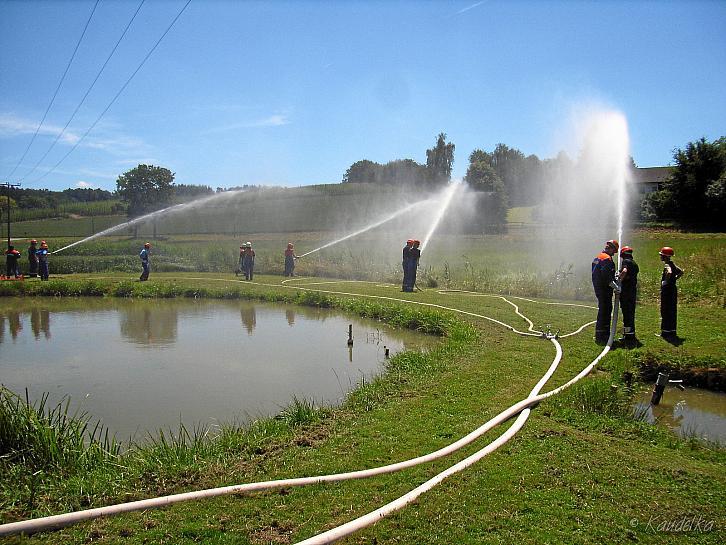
x=669, y=294
x=43, y=253
x=603, y=281
x=145, y=263
x=628, y=278
x=33, y=259
x=415, y=256
x=407, y=284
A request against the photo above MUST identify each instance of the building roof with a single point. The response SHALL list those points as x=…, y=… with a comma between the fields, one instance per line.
x=652, y=175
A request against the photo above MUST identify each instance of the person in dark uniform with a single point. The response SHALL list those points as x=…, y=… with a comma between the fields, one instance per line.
x=415, y=256
x=32, y=259
x=290, y=258
x=603, y=281
x=407, y=284
x=12, y=267
x=669, y=294
x=248, y=261
x=628, y=278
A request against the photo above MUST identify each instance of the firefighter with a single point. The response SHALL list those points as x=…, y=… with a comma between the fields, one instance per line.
x=248, y=261
x=628, y=278
x=290, y=258
x=238, y=269
x=12, y=267
x=603, y=281
x=43, y=254
x=32, y=259
x=407, y=284
x=145, y=262
x=668, y=294
x=414, y=259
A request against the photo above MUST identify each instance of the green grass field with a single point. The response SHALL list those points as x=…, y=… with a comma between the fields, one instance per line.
x=583, y=470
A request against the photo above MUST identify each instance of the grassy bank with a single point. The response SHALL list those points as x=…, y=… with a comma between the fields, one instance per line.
x=513, y=263
x=581, y=471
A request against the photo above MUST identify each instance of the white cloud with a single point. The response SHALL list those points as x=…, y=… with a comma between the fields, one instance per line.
x=106, y=137
x=275, y=120
x=11, y=125
x=84, y=185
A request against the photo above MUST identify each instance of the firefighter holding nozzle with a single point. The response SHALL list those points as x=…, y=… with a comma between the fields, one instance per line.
x=628, y=278
x=603, y=281
x=669, y=294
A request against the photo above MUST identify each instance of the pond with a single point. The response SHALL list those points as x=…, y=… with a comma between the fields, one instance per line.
x=689, y=413
x=144, y=365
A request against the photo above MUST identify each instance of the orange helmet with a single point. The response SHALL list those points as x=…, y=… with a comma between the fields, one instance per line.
x=626, y=250
x=147, y=245
x=43, y=244
x=667, y=250
x=416, y=242
x=613, y=244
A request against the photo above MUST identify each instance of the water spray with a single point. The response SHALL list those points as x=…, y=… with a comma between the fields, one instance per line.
x=141, y=219
x=447, y=197
x=367, y=228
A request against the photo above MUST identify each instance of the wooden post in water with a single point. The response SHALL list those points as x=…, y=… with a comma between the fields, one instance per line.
x=660, y=385
x=350, y=335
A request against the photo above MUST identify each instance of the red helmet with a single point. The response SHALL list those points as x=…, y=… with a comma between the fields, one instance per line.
x=667, y=250
x=34, y=241
x=417, y=242
x=626, y=250
x=409, y=241
x=613, y=244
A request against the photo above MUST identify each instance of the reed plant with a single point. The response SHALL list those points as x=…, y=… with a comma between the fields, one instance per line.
x=45, y=437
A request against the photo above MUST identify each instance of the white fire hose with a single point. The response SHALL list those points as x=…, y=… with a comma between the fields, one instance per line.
x=58, y=521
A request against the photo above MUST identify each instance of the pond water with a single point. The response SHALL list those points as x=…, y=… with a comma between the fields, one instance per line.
x=141, y=366
x=690, y=413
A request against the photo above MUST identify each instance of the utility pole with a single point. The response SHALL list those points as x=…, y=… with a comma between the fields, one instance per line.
x=8, y=186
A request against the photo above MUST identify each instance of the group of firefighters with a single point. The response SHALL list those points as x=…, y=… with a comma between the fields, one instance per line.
x=37, y=261
x=606, y=281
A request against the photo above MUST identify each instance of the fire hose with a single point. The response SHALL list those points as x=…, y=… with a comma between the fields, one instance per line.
x=58, y=521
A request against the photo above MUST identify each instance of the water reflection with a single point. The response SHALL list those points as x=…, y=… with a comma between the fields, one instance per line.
x=39, y=322
x=155, y=325
x=146, y=365
x=249, y=318
x=689, y=413
x=14, y=324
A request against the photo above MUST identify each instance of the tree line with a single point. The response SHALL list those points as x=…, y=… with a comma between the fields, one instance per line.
x=693, y=196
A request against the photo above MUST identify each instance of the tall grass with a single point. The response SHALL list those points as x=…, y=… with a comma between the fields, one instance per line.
x=42, y=436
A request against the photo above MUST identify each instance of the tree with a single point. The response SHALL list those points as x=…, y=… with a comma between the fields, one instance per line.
x=490, y=197
x=4, y=203
x=439, y=161
x=362, y=172
x=694, y=194
x=145, y=188
x=510, y=165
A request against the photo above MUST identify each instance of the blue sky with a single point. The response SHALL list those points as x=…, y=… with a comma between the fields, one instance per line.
x=292, y=93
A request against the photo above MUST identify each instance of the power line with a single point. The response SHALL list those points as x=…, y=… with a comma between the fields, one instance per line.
x=73, y=115
x=117, y=94
x=63, y=77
